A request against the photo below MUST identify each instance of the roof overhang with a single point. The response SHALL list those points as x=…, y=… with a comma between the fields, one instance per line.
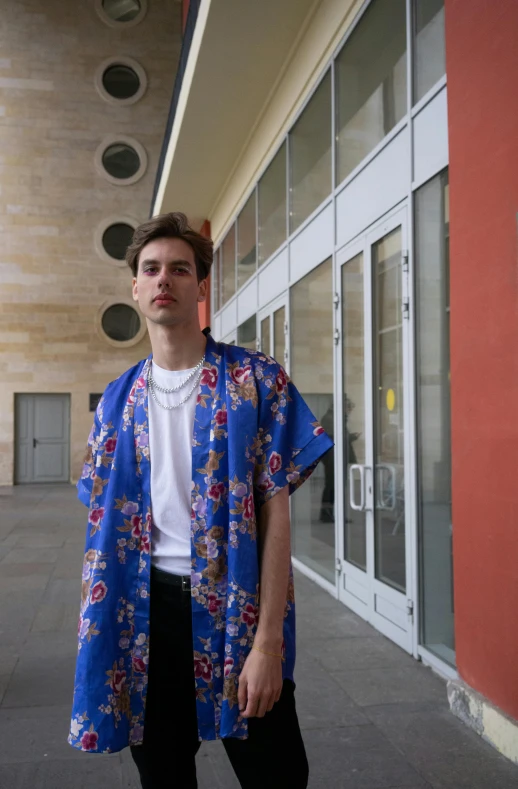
x=235, y=61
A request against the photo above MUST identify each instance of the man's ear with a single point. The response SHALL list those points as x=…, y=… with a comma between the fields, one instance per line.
x=202, y=290
x=134, y=289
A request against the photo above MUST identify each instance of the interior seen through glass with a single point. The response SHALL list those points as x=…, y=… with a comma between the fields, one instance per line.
x=121, y=161
x=217, y=280
x=121, y=82
x=310, y=155
x=121, y=322
x=272, y=206
x=116, y=240
x=265, y=335
x=389, y=428
x=429, y=45
x=246, y=234
x=353, y=407
x=279, y=336
x=122, y=10
x=247, y=333
x=434, y=418
x=313, y=512
x=370, y=74
x=228, y=265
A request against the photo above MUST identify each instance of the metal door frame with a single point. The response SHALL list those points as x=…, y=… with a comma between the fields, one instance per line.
x=353, y=583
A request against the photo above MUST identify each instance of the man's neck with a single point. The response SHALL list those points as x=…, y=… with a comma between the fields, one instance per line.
x=176, y=347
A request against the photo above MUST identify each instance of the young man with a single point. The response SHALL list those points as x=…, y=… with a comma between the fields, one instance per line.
x=190, y=462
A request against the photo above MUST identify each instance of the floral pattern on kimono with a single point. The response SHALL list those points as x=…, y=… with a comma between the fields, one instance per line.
x=253, y=435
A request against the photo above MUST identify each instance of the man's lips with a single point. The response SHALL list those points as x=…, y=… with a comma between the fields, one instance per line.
x=163, y=298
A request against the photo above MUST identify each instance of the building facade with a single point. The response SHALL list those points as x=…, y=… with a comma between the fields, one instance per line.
x=85, y=89
x=355, y=162
x=335, y=148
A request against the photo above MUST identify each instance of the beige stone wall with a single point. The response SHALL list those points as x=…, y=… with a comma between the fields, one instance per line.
x=52, y=119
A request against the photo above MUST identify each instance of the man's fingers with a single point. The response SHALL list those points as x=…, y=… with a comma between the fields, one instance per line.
x=252, y=705
x=272, y=702
x=242, y=694
x=260, y=705
x=264, y=705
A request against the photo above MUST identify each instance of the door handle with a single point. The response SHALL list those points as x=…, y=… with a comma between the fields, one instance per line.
x=354, y=506
x=34, y=442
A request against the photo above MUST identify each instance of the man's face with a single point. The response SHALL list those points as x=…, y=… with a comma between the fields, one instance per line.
x=166, y=286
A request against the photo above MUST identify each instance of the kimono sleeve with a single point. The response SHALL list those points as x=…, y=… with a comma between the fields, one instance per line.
x=290, y=440
x=85, y=483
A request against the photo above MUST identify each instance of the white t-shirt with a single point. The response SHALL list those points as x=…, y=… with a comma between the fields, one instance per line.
x=170, y=446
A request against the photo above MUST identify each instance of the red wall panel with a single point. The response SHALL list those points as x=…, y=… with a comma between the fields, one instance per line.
x=482, y=72
x=185, y=11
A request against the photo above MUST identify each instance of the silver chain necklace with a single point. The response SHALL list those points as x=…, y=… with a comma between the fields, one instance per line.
x=181, y=384
x=151, y=385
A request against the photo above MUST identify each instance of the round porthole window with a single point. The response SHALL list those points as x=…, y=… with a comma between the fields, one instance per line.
x=121, y=161
x=116, y=239
x=122, y=12
x=112, y=236
x=121, y=82
x=121, y=323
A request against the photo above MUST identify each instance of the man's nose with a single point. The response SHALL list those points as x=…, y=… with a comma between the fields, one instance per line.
x=163, y=279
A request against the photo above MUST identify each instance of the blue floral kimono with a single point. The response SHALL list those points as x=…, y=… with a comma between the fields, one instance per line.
x=253, y=434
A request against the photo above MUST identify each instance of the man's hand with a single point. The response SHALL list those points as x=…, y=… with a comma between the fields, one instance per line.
x=260, y=684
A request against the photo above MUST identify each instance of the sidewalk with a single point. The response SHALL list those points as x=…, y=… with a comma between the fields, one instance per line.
x=372, y=717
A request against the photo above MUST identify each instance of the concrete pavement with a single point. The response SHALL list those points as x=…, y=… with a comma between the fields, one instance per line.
x=372, y=717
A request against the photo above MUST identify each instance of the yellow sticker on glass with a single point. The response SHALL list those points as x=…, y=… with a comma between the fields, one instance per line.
x=391, y=399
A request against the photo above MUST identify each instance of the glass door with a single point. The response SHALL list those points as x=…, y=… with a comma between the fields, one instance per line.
x=374, y=364
x=273, y=331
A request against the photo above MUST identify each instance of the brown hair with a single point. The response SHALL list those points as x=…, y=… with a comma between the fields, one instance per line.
x=173, y=225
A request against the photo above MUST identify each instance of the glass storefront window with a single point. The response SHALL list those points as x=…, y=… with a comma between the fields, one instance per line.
x=216, y=280
x=246, y=239
x=310, y=156
x=265, y=335
x=279, y=335
x=389, y=420
x=312, y=513
x=429, y=45
x=246, y=334
x=434, y=431
x=353, y=406
x=370, y=76
x=228, y=266
x=272, y=206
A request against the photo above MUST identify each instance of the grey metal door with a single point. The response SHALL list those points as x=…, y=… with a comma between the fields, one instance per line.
x=42, y=438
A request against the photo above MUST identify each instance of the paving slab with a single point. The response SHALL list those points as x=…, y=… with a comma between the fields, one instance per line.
x=58, y=774
x=357, y=758
x=362, y=652
x=321, y=701
x=391, y=684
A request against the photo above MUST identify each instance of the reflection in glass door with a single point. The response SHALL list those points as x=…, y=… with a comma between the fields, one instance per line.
x=280, y=332
x=374, y=337
x=265, y=346
x=389, y=477
x=353, y=410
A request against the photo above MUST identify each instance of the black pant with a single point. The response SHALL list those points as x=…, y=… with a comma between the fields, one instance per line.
x=273, y=756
